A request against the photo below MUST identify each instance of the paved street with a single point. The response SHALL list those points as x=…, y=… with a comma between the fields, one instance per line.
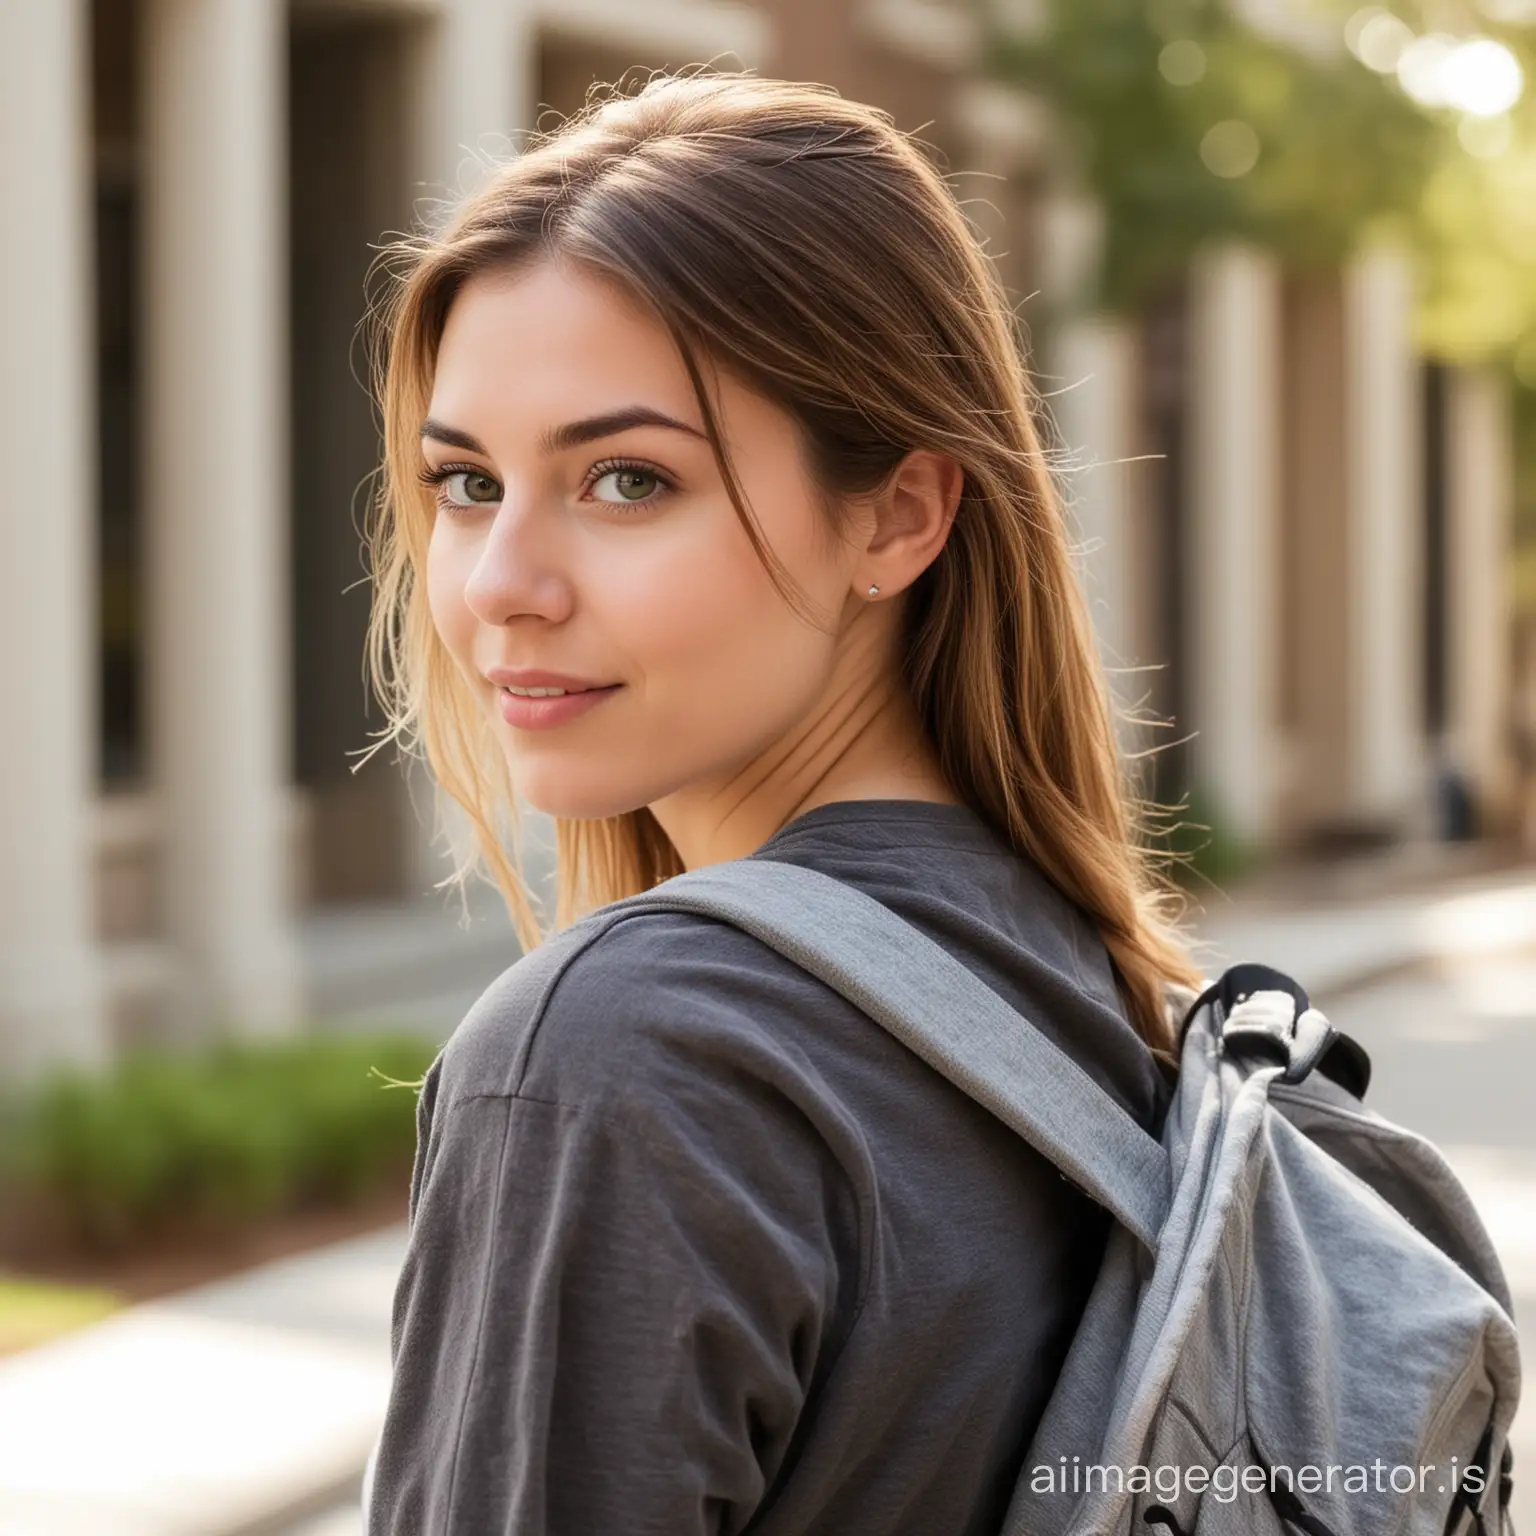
x=344, y=1520
x=208, y=1413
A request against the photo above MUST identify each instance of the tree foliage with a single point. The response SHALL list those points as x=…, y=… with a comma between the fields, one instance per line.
x=1188, y=125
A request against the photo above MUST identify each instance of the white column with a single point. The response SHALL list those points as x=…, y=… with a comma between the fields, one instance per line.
x=1383, y=447
x=50, y=998
x=1091, y=375
x=478, y=92
x=216, y=497
x=1093, y=362
x=1480, y=507
x=1234, y=498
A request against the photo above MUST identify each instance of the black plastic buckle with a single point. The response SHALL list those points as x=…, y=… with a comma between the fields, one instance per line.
x=1312, y=1043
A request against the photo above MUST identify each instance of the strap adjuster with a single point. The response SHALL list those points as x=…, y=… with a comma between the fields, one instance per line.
x=1256, y=1007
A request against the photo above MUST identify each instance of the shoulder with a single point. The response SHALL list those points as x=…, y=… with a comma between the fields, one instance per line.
x=618, y=1009
x=679, y=1040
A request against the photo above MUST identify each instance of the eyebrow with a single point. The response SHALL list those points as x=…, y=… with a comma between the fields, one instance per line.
x=572, y=434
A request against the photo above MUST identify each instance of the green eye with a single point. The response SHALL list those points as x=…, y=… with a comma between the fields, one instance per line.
x=628, y=485
x=469, y=488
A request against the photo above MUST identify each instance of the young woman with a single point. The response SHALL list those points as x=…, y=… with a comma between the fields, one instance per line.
x=715, y=526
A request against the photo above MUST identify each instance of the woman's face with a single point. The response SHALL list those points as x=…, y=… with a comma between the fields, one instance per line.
x=584, y=540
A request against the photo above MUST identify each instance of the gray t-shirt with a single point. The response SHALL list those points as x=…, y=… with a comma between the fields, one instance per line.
x=696, y=1246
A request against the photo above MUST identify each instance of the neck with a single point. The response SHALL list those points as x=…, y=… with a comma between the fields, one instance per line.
x=866, y=743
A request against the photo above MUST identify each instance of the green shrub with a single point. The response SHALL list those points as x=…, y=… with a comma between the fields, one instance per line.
x=210, y=1143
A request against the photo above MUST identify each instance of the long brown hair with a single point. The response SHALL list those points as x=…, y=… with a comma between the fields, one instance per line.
x=801, y=242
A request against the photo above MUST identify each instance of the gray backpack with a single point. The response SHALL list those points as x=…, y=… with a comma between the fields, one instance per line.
x=1299, y=1328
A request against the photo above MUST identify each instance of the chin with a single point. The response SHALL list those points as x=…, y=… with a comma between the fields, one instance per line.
x=575, y=796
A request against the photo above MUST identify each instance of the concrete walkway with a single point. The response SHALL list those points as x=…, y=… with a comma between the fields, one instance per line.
x=236, y=1407
x=247, y=1407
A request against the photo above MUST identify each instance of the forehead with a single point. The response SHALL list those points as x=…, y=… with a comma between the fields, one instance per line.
x=551, y=342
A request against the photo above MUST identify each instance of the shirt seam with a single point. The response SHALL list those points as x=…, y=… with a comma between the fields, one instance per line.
x=867, y=1224
x=516, y=1095
x=867, y=1221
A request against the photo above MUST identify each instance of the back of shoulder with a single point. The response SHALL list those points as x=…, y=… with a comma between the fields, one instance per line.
x=616, y=1007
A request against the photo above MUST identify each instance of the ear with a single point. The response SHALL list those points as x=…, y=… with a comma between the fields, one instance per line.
x=913, y=513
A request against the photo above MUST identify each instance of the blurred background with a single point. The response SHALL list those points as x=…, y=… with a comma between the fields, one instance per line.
x=1274, y=266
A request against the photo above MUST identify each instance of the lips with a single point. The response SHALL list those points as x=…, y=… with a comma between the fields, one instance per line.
x=539, y=677
x=527, y=712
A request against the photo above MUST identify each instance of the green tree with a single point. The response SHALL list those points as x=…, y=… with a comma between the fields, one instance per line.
x=1188, y=125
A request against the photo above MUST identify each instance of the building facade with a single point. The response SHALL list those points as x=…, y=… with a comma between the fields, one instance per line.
x=1299, y=524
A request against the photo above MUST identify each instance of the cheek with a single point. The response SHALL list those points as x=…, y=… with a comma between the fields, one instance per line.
x=449, y=564
x=720, y=651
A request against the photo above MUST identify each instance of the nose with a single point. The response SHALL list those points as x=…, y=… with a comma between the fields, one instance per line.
x=519, y=571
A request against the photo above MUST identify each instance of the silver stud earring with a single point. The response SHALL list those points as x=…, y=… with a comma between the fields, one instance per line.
x=874, y=591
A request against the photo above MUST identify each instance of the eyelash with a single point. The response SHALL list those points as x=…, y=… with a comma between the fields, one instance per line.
x=665, y=483
x=435, y=479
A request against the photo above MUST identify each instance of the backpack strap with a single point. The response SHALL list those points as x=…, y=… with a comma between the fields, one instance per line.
x=943, y=1013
